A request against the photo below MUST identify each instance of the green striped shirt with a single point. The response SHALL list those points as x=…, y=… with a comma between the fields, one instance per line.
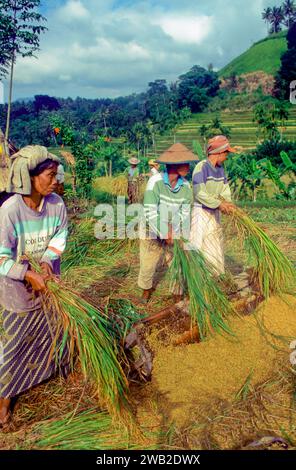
x=165, y=205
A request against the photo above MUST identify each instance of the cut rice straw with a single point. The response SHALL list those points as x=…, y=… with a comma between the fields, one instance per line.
x=83, y=327
x=273, y=271
x=89, y=430
x=208, y=306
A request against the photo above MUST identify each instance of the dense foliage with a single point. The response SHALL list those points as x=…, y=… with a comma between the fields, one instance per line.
x=135, y=118
x=287, y=72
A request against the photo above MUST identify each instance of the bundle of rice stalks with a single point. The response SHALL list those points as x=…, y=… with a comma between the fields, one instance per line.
x=69, y=157
x=117, y=186
x=208, y=306
x=273, y=272
x=89, y=430
x=83, y=328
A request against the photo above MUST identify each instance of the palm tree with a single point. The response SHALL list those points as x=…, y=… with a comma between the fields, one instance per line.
x=276, y=18
x=289, y=11
x=266, y=15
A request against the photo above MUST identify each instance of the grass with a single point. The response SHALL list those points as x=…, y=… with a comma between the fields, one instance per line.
x=89, y=430
x=264, y=55
x=273, y=271
x=89, y=330
x=208, y=305
x=265, y=409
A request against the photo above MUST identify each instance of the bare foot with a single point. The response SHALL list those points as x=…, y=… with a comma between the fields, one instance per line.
x=4, y=411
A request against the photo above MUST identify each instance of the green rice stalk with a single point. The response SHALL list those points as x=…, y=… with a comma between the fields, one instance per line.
x=80, y=240
x=208, y=306
x=86, y=329
x=89, y=430
x=273, y=271
x=246, y=388
x=83, y=248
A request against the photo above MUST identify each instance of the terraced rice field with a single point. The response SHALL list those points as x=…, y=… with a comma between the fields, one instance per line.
x=243, y=130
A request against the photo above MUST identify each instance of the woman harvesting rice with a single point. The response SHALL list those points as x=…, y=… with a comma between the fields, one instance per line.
x=33, y=223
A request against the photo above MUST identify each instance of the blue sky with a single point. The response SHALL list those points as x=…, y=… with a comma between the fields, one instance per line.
x=107, y=48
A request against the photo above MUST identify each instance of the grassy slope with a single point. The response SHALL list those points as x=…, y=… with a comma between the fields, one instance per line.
x=243, y=129
x=264, y=55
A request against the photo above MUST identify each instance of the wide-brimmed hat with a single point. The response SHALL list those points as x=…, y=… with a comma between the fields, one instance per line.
x=153, y=163
x=134, y=161
x=176, y=155
x=219, y=144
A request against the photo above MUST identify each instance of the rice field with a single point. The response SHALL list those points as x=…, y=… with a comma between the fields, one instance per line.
x=208, y=408
x=243, y=129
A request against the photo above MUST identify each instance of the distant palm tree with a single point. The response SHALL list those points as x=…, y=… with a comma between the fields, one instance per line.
x=266, y=15
x=276, y=19
x=289, y=10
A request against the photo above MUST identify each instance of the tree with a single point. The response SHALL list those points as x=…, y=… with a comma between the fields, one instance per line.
x=42, y=102
x=289, y=11
x=287, y=72
x=215, y=127
x=276, y=19
x=266, y=15
x=20, y=28
x=269, y=117
x=196, y=87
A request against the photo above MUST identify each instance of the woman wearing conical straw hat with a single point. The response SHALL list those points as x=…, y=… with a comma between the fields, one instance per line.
x=167, y=202
x=33, y=225
x=212, y=196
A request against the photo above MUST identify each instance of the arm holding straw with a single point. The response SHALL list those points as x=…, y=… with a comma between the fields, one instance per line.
x=212, y=198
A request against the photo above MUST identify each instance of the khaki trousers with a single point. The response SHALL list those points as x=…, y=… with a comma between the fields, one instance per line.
x=154, y=255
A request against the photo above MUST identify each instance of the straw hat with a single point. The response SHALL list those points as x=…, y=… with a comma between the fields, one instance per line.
x=134, y=161
x=153, y=163
x=176, y=155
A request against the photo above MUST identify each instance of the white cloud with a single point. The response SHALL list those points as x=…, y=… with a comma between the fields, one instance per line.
x=186, y=29
x=93, y=48
x=73, y=10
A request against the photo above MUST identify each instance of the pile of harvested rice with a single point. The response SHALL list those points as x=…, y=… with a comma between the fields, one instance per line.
x=190, y=378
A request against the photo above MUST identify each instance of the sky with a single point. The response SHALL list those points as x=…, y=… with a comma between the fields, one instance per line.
x=110, y=48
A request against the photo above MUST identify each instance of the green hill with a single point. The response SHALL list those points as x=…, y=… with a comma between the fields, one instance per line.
x=264, y=55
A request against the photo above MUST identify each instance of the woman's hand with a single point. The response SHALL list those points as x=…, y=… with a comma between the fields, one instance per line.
x=36, y=280
x=46, y=271
x=170, y=240
x=227, y=207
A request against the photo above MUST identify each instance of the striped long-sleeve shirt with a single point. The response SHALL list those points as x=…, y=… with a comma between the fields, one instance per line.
x=165, y=205
x=25, y=232
x=210, y=185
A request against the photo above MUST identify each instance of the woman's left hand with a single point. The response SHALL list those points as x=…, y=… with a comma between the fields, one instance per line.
x=47, y=272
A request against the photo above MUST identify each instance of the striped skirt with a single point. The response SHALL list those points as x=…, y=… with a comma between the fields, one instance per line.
x=26, y=359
